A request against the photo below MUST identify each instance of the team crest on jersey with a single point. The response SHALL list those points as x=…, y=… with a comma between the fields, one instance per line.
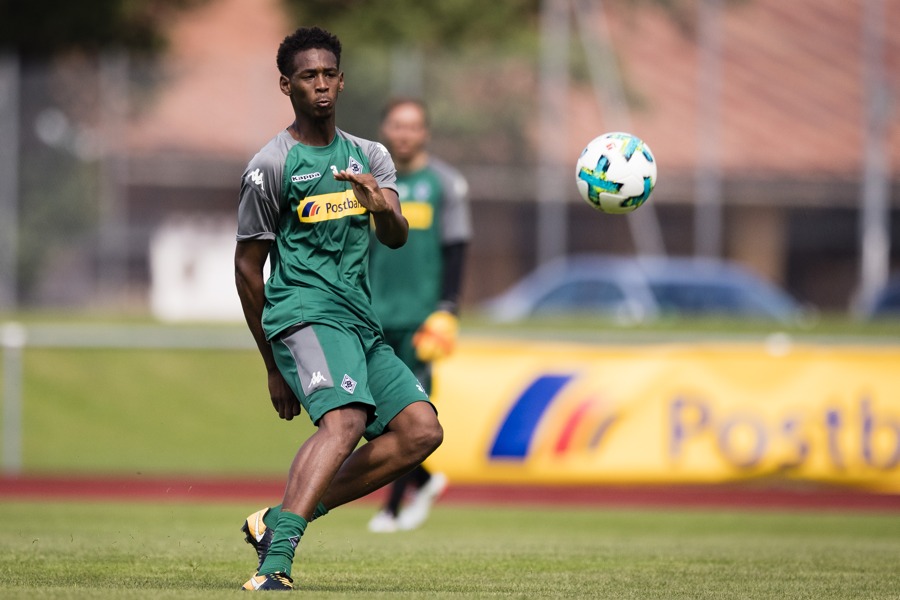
x=354, y=166
x=422, y=190
x=326, y=207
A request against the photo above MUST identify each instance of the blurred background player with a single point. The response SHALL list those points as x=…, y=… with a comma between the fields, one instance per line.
x=415, y=289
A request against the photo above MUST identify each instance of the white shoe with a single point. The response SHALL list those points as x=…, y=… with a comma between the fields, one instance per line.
x=416, y=511
x=383, y=522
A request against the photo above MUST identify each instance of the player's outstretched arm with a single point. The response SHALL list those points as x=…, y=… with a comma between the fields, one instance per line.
x=391, y=227
x=249, y=259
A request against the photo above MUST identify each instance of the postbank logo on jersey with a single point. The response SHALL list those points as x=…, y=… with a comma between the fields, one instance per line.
x=326, y=207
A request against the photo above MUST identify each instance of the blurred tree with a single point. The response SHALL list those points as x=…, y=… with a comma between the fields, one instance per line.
x=428, y=25
x=53, y=27
x=453, y=23
x=683, y=13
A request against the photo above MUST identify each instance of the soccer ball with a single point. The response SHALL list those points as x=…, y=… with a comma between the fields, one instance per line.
x=615, y=173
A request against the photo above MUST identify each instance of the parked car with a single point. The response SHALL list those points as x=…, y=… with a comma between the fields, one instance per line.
x=635, y=290
x=885, y=303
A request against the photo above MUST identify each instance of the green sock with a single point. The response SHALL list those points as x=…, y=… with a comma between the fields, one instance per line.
x=287, y=536
x=320, y=511
x=271, y=516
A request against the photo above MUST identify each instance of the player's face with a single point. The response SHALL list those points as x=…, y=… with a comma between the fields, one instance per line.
x=404, y=131
x=315, y=83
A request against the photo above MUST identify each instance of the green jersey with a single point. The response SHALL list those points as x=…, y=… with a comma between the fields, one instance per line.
x=406, y=282
x=320, y=232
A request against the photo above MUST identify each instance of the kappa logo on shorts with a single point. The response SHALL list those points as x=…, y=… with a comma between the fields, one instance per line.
x=348, y=384
x=316, y=379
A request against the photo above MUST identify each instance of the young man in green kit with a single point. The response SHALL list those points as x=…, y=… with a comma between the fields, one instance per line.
x=415, y=289
x=305, y=204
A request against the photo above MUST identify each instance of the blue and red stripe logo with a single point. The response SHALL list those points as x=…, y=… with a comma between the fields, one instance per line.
x=516, y=434
x=310, y=209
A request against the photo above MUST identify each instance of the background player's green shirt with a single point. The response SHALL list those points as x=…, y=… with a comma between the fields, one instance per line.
x=320, y=232
x=406, y=282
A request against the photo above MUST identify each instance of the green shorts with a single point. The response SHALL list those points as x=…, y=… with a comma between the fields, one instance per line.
x=333, y=365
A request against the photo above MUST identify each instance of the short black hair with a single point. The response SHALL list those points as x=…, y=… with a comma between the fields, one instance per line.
x=305, y=38
x=400, y=101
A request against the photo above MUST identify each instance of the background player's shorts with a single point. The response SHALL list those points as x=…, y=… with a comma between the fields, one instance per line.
x=401, y=340
x=334, y=365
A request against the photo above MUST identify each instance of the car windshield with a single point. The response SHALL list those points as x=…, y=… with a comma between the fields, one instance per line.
x=581, y=296
x=889, y=301
x=707, y=298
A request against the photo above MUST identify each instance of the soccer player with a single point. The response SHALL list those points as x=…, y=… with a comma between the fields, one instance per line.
x=305, y=203
x=415, y=290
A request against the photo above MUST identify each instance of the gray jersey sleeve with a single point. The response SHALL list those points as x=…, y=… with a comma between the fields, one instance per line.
x=456, y=219
x=380, y=162
x=258, y=210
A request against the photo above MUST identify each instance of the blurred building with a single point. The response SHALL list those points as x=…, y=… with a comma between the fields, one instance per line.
x=767, y=104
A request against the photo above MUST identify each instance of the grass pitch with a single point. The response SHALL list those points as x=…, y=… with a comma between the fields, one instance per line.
x=112, y=550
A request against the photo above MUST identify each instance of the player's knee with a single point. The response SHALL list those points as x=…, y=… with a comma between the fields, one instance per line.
x=419, y=431
x=346, y=425
x=437, y=437
x=428, y=438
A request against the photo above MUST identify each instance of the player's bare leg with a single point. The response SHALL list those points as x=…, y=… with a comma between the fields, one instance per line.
x=311, y=473
x=409, y=439
x=321, y=458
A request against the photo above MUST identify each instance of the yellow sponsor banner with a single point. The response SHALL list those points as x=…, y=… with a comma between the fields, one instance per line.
x=529, y=412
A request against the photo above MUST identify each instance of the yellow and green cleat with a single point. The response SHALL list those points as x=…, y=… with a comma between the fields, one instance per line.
x=258, y=535
x=274, y=582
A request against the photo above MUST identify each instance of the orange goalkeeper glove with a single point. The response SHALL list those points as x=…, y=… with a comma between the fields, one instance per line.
x=436, y=338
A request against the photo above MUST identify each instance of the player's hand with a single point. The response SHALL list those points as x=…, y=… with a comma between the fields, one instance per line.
x=365, y=188
x=436, y=338
x=283, y=398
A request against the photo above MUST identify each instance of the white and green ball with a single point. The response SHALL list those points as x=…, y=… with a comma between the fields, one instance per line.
x=616, y=173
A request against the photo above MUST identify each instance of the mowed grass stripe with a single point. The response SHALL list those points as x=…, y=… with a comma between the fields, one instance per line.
x=111, y=550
